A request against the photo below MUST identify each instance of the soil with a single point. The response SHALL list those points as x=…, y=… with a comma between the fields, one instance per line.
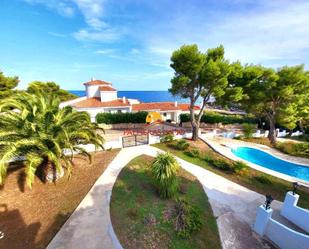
x=30, y=218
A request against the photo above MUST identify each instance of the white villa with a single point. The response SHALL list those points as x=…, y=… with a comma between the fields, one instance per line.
x=102, y=97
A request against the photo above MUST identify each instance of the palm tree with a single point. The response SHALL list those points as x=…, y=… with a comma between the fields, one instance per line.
x=164, y=169
x=33, y=128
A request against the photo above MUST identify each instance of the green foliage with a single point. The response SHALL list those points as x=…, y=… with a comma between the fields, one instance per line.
x=167, y=138
x=7, y=84
x=193, y=153
x=221, y=164
x=33, y=127
x=248, y=130
x=203, y=75
x=118, y=118
x=188, y=219
x=239, y=167
x=264, y=179
x=215, y=117
x=295, y=149
x=164, y=169
x=278, y=95
x=49, y=88
x=182, y=144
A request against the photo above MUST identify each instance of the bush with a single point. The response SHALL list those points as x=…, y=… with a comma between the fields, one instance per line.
x=118, y=118
x=182, y=144
x=222, y=164
x=215, y=117
x=295, y=149
x=193, y=153
x=187, y=219
x=164, y=169
x=262, y=179
x=239, y=167
x=167, y=138
x=248, y=130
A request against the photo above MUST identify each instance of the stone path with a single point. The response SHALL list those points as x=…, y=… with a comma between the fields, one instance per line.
x=233, y=205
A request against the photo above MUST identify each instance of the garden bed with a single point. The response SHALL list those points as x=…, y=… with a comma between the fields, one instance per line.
x=31, y=218
x=250, y=178
x=135, y=200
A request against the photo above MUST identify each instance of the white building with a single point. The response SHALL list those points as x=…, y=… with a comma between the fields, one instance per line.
x=102, y=97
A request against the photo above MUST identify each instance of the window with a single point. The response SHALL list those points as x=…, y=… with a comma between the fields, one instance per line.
x=164, y=114
x=119, y=111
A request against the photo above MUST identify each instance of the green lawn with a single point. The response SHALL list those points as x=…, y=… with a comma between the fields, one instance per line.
x=252, y=179
x=134, y=197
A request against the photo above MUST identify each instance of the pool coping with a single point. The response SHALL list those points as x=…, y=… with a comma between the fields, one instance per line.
x=224, y=146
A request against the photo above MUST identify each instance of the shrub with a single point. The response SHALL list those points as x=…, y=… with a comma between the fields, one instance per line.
x=182, y=144
x=222, y=164
x=164, y=169
x=262, y=179
x=167, y=138
x=295, y=149
x=193, y=153
x=118, y=118
x=239, y=167
x=187, y=219
x=215, y=117
x=248, y=130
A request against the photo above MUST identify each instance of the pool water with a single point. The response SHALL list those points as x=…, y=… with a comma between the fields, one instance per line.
x=270, y=162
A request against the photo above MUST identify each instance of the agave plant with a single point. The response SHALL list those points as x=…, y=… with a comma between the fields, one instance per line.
x=34, y=129
x=164, y=169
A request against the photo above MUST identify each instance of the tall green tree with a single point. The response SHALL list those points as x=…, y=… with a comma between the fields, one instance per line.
x=272, y=93
x=33, y=128
x=51, y=88
x=201, y=75
x=7, y=85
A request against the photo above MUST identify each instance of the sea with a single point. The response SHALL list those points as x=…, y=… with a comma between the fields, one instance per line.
x=143, y=96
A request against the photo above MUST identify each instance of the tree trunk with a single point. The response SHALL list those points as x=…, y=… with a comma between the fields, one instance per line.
x=195, y=131
x=272, y=130
x=48, y=172
x=302, y=129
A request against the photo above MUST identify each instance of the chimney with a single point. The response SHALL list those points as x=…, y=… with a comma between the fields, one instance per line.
x=175, y=104
x=92, y=78
x=124, y=99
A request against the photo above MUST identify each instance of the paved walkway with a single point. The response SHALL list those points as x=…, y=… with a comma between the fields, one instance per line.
x=233, y=205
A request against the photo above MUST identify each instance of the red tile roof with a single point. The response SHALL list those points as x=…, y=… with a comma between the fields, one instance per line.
x=96, y=102
x=96, y=82
x=185, y=107
x=107, y=88
x=161, y=106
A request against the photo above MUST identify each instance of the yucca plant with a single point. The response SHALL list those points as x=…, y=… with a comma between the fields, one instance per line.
x=34, y=129
x=164, y=169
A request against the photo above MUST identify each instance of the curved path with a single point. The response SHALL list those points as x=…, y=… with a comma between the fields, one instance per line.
x=234, y=206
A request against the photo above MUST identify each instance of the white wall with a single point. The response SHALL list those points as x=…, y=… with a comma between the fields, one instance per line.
x=285, y=237
x=281, y=235
x=108, y=95
x=92, y=91
x=299, y=216
x=71, y=102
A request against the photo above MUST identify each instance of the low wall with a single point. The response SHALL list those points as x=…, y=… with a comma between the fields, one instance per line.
x=215, y=126
x=122, y=126
x=299, y=216
x=280, y=234
x=285, y=237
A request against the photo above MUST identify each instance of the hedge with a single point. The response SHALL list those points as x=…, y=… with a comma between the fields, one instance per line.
x=214, y=117
x=118, y=118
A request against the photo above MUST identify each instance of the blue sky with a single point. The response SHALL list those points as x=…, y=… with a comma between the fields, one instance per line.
x=129, y=42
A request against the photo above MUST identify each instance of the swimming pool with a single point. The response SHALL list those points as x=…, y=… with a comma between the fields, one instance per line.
x=268, y=161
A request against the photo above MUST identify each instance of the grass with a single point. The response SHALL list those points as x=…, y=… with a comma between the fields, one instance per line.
x=134, y=198
x=250, y=178
x=31, y=218
x=290, y=148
